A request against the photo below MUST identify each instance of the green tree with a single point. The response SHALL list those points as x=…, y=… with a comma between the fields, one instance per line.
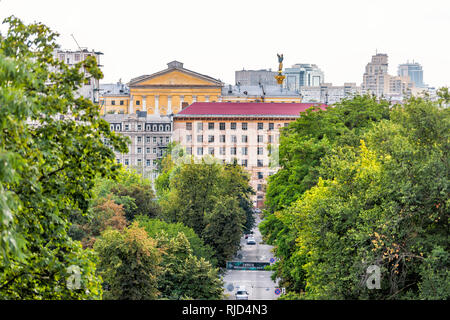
x=129, y=264
x=47, y=165
x=185, y=275
x=155, y=227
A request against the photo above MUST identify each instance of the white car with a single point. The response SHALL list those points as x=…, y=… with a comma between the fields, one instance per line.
x=251, y=240
x=241, y=294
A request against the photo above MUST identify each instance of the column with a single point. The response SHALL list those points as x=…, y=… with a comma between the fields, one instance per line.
x=144, y=103
x=156, y=105
x=169, y=105
x=194, y=99
x=130, y=109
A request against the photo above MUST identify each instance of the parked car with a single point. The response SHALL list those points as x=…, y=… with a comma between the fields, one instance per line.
x=241, y=293
x=251, y=240
x=248, y=234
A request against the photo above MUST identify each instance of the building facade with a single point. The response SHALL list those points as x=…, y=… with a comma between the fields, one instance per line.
x=114, y=98
x=168, y=91
x=255, y=77
x=414, y=71
x=149, y=137
x=328, y=94
x=243, y=132
x=91, y=89
x=301, y=75
x=259, y=93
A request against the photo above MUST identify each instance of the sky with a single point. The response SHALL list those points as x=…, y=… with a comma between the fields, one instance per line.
x=217, y=38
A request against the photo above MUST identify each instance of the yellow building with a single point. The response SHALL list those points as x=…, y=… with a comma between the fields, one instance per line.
x=170, y=90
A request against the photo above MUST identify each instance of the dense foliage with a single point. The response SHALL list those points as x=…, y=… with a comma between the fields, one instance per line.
x=211, y=198
x=48, y=165
x=383, y=201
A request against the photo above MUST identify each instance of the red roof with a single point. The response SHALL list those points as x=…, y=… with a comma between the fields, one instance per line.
x=246, y=109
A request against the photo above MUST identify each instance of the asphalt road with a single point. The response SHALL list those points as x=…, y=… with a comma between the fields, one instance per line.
x=258, y=283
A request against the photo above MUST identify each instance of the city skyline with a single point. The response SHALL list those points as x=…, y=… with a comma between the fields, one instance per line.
x=138, y=38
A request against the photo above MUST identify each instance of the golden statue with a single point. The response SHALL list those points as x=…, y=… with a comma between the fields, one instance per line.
x=280, y=76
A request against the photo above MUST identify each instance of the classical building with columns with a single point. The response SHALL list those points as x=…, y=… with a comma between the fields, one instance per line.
x=168, y=91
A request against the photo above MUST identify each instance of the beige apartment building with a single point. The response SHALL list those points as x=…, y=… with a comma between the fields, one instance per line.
x=231, y=131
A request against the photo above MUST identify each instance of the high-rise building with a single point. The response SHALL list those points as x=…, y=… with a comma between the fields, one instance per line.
x=414, y=71
x=301, y=75
x=374, y=77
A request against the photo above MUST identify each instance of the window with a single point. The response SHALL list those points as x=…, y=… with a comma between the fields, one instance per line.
x=139, y=139
x=222, y=126
x=139, y=150
x=139, y=162
x=167, y=139
x=127, y=127
x=210, y=125
x=118, y=160
x=113, y=102
x=147, y=150
x=200, y=151
x=260, y=125
x=200, y=138
x=111, y=127
x=244, y=139
x=244, y=125
x=270, y=138
x=188, y=125
x=147, y=139
x=121, y=102
x=189, y=138
x=148, y=162
x=154, y=139
x=233, y=125
x=138, y=103
x=260, y=150
x=260, y=138
x=222, y=138
x=260, y=163
x=118, y=127
x=271, y=126
x=77, y=57
x=167, y=127
x=126, y=162
x=222, y=151
x=211, y=150
x=155, y=127
x=139, y=127
x=260, y=175
x=259, y=187
x=154, y=150
x=233, y=139
x=189, y=150
x=244, y=162
x=233, y=150
x=210, y=138
x=199, y=127
x=244, y=151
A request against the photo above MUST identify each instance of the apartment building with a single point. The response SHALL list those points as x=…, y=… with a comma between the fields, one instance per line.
x=149, y=137
x=246, y=132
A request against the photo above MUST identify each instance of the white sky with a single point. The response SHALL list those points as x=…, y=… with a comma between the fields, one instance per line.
x=217, y=38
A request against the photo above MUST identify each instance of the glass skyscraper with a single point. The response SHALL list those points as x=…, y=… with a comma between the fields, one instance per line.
x=414, y=71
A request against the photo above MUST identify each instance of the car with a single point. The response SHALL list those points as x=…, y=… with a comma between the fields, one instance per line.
x=241, y=293
x=248, y=234
x=251, y=240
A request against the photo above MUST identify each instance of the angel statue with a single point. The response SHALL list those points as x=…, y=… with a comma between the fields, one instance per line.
x=280, y=61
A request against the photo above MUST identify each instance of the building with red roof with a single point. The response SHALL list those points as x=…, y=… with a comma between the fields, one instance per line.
x=230, y=131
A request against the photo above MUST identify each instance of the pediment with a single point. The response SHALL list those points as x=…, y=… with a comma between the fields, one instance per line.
x=175, y=77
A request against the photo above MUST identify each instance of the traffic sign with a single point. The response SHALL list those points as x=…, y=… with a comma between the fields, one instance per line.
x=277, y=291
x=272, y=260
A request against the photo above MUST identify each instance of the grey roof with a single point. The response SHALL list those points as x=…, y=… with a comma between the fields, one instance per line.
x=246, y=91
x=114, y=89
x=124, y=117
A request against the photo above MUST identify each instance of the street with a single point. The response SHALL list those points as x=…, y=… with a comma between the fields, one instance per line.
x=258, y=283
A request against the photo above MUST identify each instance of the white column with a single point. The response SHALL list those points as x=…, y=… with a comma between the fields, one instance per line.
x=157, y=105
x=144, y=103
x=169, y=104
x=181, y=102
x=130, y=109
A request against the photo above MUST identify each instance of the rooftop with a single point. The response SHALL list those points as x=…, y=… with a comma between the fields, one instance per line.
x=246, y=109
